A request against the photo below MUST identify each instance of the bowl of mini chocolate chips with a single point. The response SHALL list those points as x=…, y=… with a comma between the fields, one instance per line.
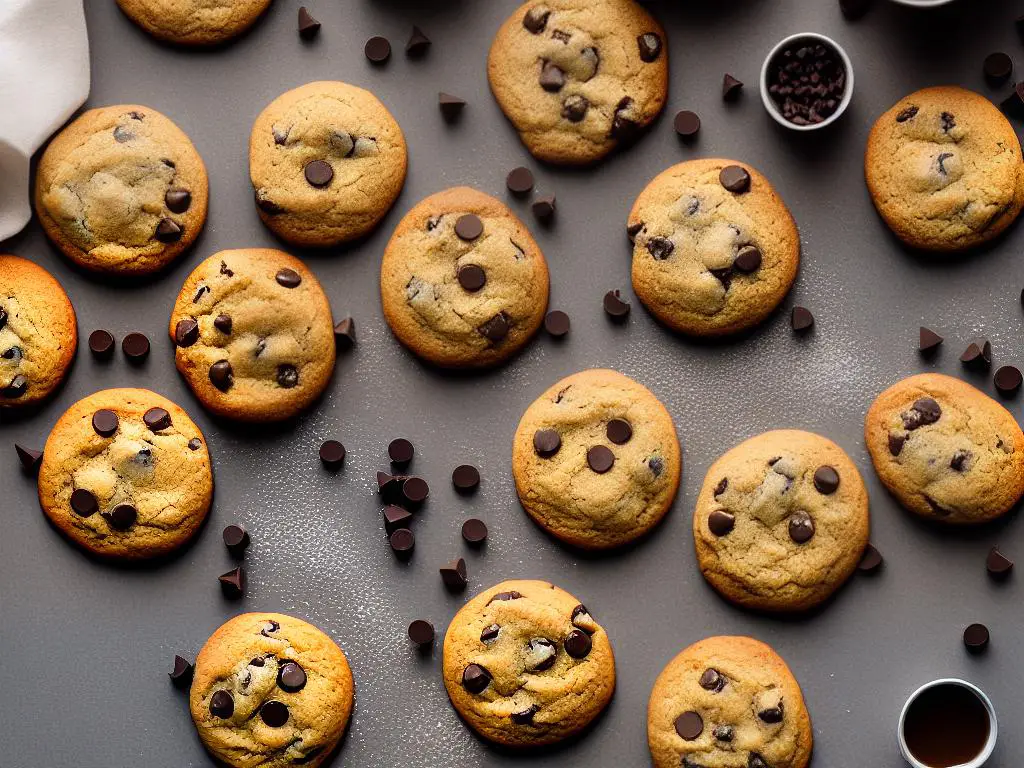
x=806, y=81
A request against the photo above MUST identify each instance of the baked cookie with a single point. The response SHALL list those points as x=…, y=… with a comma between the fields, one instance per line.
x=525, y=664
x=462, y=282
x=38, y=332
x=272, y=691
x=121, y=189
x=728, y=702
x=596, y=460
x=781, y=521
x=194, y=22
x=945, y=450
x=253, y=335
x=126, y=474
x=327, y=161
x=577, y=79
x=715, y=249
x=944, y=169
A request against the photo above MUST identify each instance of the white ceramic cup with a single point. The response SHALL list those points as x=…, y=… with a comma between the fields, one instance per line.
x=770, y=105
x=993, y=731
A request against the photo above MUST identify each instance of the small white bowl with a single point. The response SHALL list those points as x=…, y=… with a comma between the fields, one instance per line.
x=766, y=97
x=993, y=730
x=923, y=3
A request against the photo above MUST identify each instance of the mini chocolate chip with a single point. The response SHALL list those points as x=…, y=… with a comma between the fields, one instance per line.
x=600, y=458
x=465, y=478
x=421, y=632
x=801, y=527
x=657, y=465
x=181, y=675
x=748, y=259
x=536, y=19
x=801, y=319
x=221, y=375
x=907, y=114
x=186, y=332
x=504, y=597
x=649, y=44
x=236, y=539
x=619, y=431
x=29, y=458
x=178, y=200
x=552, y=78
x=319, y=173
x=83, y=503
x=415, y=490
x=474, y=532
x=959, y=460
x=928, y=340
x=614, y=305
x=471, y=277
x=453, y=575
x=947, y=121
x=402, y=543
x=976, y=638
x=489, y=633
x=871, y=560
x=546, y=442
x=222, y=705
x=400, y=451
x=577, y=644
x=731, y=88
x=519, y=180
x=232, y=583
x=722, y=485
x=720, y=522
x=556, y=323
x=469, y=227
x=377, y=49
x=195, y=444
x=544, y=208
x=574, y=108
x=291, y=677
x=475, y=678
x=712, y=680
x=287, y=376
x=332, y=454
x=997, y=67
x=923, y=412
x=495, y=329
x=122, y=517
x=734, y=178
x=451, y=106
x=689, y=725
x=135, y=347
x=524, y=716
x=826, y=479
x=978, y=355
x=395, y=518
x=101, y=344
x=723, y=733
x=771, y=714
x=997, y=564
x=104, y=422
x=274, y=713
x=308, y=26
x=168, y=231
x=418, y=43
x=660, y=248
x=345, y=334
x=896, y=443
x=687, y=124
x=1008, y=380
x=156, y=419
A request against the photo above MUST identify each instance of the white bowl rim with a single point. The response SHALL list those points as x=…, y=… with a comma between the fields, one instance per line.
x=923, y=3
x=993, y=731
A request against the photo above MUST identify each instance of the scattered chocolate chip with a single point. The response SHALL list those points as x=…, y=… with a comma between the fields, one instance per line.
x=156, y=419
x=101, y=344
x=30, y=459
x=418, y=43
x=178, y=200
x=415, y=490
x=186, y=332
x=546, y=442
x=377, y=49
x=421, y=632
x=287, y=376
x=332, y=454
x=465, y=478
x=474, y=532
x=544, y=209
x=524, y=716
x=519, y=180
x=577, y=644
x=1013, y=104
x=619, y=431
x=614, y=305
x=495, y=329
x=232, y=583
x=806, y=81
x=221, y=375
x=222, y=705
x=721, y=522
x=801, y=527
x=734, y=178
x=552, y=78
x=854, y=9
x=83, y=503
x=801, y=319
x=490, y=632
x=687, y=124
x=471, y=277
x=345, y=333
x=402, y=543
x=556, y=323
x=308, y=26
x=978, y=355
x=976, y=638
x=168, y=231
x=274, y=713
x=929, y=340
x=731, y=88
x=1008, y=380
x=649, y=44
x=997, y=68
x=451, y=106
x=319, y=173
x=104, y=422
x=223, y=323
x=475, y=678
x=395, y=517
x=600, y=458
x=712, y=680
x=689, y=725
x=871, y=560
x=454, y=575
x=997, y=564
x=400, y=451
x=236, y=539
x=181, y=675
x=923, y=412
x=826, y=479
x=135, y=347
x=469, y=227
x=771, y=715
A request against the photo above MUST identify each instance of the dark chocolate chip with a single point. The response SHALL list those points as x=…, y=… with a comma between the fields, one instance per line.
x=712, y=680
x=978, y=355
x=291, y=677
x=721, y=522
x=274, y=713
x=308, y=26
x=135, y=347
x=997, y=68
x=465, y=478
x=1008, y=380
x=649, y=44
x=454, y=575
x=687, y=124
x=544, y=208
x=556, y=323
x=168, y=231
x=756, y=761
x=731, y=88
x=83, y=503
x=689, y=725
x=552, y=78
x=122, y=517
x=490, y=632
x=400, y=451
x=959, y=460
x=223, y=323
x=418, y=43
x=722, y=485
x=871, y=560
x=156, y=419
x=421, y=632
x=236, y=539
x=929, y=340
x=519, y=180
x=723, y=733
x=504, y=597
x=976, y=638
x=468, y=227
x=123, y=134
x=415, y=490
x=377, y=49
x=896, y=443
x=471, y=277
x=101, y=344
x=30, y=459
x=546, y=442
x=319, y=173
x=178, y=200
x=186, y=332
x=536, y=19
x=3, y=318
x=801, y=319
x=947, y=121
x=474, y=532
x=997, y=564
x=619, y=431
x=826, y=479
x=772, y=714
x=232, y=583
x=614, y=305
x=332, y=454
x=574, y=107
x=395, y=517
x=660, y=248
x=104, y=422
x=451, y=106
x=524, y=716
x=734, y=178
x=267, y=205
x=221, y=375
x=801, y=527
x=287, y=376
x=495, y=329
x=577, y=644
x=222, y=705
x=195, y=444
x=345, y=334
x=600, y=458
x=16, y=388
x=923, y=412
x=402, y=543
x=624, y=128
x=747, y=260
x=181, y=675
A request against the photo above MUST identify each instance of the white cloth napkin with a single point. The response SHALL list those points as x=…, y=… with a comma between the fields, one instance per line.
x=44, y=78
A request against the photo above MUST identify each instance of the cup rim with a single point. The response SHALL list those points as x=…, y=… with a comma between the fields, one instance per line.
x=923, y=3
x=766, y=98
x=993, y=731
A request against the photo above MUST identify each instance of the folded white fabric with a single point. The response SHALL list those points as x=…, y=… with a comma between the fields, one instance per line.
x=44, y=78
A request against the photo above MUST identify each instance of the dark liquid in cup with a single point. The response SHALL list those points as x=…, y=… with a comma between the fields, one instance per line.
x=945, y=726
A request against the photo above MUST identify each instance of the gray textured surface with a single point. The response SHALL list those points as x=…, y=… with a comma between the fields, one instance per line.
x=84, y=647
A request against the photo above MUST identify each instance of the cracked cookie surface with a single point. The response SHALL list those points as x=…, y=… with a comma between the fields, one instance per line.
x=38, y=332
x=327, y=161
x=728, y=702
x=126, y=474
x=271, y=691
x=121, y=189
x=462, y=282
x=944, y=169
x=194, y=22
x=596, y=460
x=715, y=250
x=577, y=78
x=253, y=335
x=781, y=521
x=946, y=450
x=525, y=664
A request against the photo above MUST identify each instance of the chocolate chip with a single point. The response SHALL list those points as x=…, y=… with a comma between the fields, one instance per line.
x=474, y=532
x=619, y=431
x=649, y=44
x=195, y=444
x=475, y=678
x=801, y=319
x=388, y=485
x=471, y=277
x=536, y=19
x=723, y=733
x=504, y=597
x=997, y=68
x=287, y=376
x=16, y=387
x=122, y=517
x=712, y=680
x=660, y=248
x=402, y=543
x=929, y=340
x=319, y=173
x=896, y=443
x=720, y=522
x=332, y=454
x=101, y=344
x=546, y=442
x=345, y=334
x=123, y=134
x=731, y=88
x=186, y=332
x=687, y=124
x=614, y=305
x=854, y=9
x=181, y=674
x=923, y=412
x=135, y=347
x=1008, y=380
x=267, y=205
x=871, y=560
x=421, y=632
x=168, y=231
x=221, y=375
x=415, y=490
x=291, y=677
x=236, y=539
x=771, y=714
x=734, y=178
x=274, y=713
x=232, y=583
x=519, y=180
x=418, y=43
x=495, y=329
x=468, y=227
x=801, y=527
x=556, y=323
x=978, y=355
x=377, y=49
x=104, y=422
x=222, y=705
x=747, y=260
x=395, y=517
x=689, y=725
x=552, y=78
x=722, y=485
x=465, y=478
x=600, y=458
x=826, y=479
x=156, y=419
x=490, y=632
x=947, y=121
x=624, y=128
x=451, y=106
x=178, y=200
x=1013, y=104
x=540, y=654
x=959, y=460
x=454, y=575
x=400, y=451
x=524, y=716
x=30, y=459
x=577, y=644
x=308, y=26
x=83, y=503
x=976, y=638
x=574, y=107
x=997, y=564
x=223, y=323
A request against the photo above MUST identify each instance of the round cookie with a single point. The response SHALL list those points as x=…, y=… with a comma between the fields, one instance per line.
x=462, y=282
x=781, y=521
x=126, y=474
x=38, y=332
x=944, y=169
x=122, y=190
x=327, y=161
x=194, y=22
x=253, y=335
x=525, y=664
x=272, y=691
x=728, y=702
x=715, y=250
x=578, y=79
x=945, y=450
x=596, y=460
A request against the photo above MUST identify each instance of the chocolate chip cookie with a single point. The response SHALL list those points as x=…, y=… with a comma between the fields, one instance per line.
x=781, y=521
x=194, y=22
x=944, y=169
x=38, y=332
x=576, y=78
x=945, y=450
x=462, y=282
x=715, y=250
x=271, y=691
x=596, y=460
x=327, y=161
x=253, y=335
x=126, y=474
x=728, y=702
x=525, y=664
x=121, y=189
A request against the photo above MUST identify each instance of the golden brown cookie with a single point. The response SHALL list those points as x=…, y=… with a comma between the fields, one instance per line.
x=194, y=22
x=525, y=664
